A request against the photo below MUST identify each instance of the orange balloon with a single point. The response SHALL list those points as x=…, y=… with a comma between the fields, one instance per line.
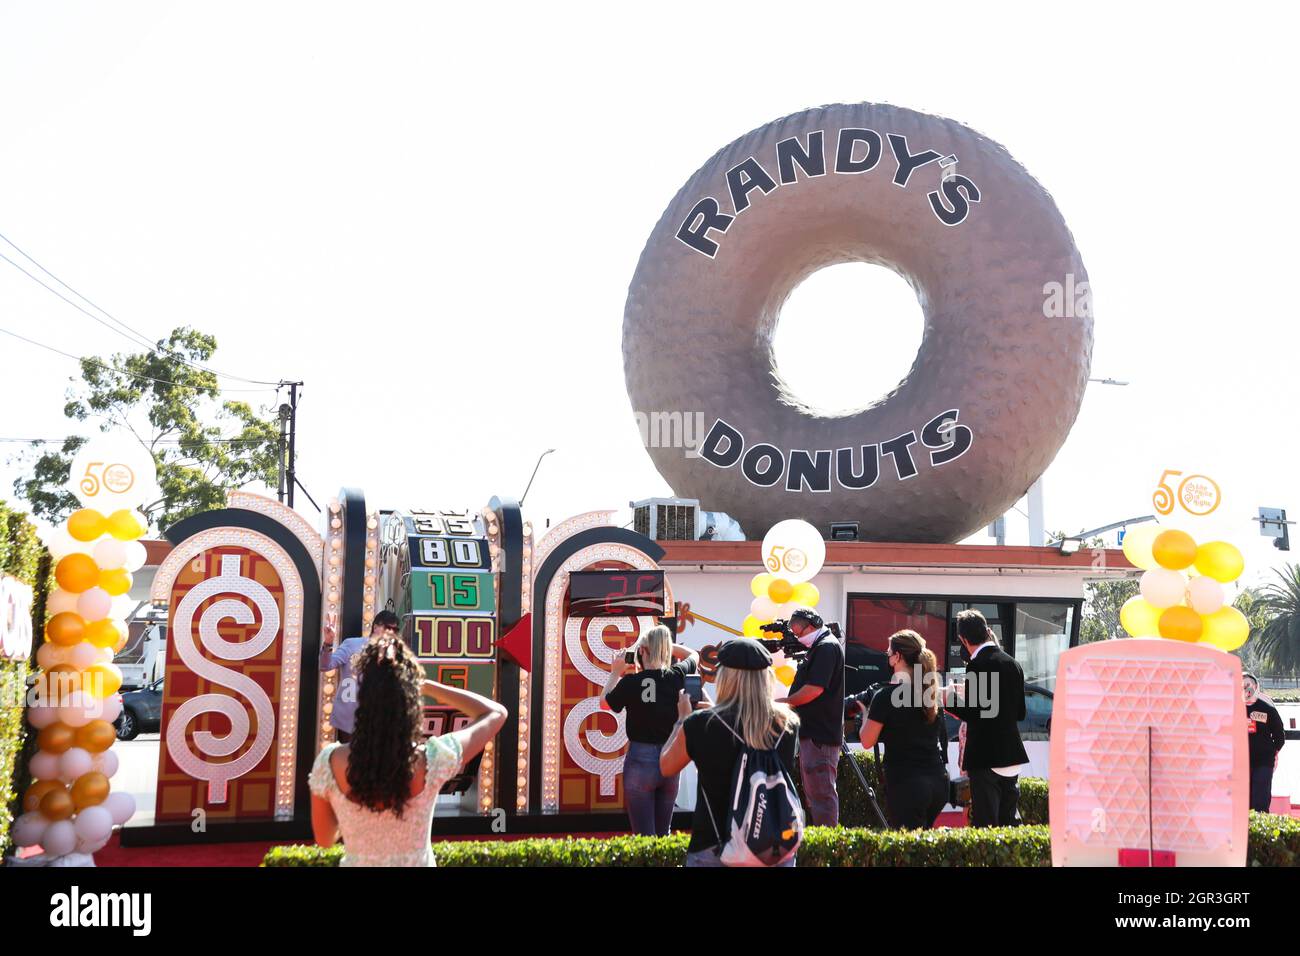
x=780, y=590
x=115, y=581
x=36, y=792
x=89, y=789
x=76, y=572
x=66, y=629
x=125, y=525
x=57, y=805
x=105, y=633
x=101, y=680
x=56, y=738
x=1174, y=549
x=1181, y=623
x=86, y=524
x=96, y=737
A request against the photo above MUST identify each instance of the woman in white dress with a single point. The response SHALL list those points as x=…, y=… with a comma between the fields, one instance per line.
x=380, y=789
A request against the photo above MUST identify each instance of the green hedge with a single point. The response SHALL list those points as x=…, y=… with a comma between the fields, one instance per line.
x=1274, y=841
x=822, y=846
x=24, y=557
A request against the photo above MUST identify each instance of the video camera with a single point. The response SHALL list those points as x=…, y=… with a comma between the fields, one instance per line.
x=863, y=697
x=787, y=643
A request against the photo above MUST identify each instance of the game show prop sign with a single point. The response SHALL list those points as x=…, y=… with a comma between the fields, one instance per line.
x=70, y=807
x=240, y=697
x=581, y=744
x=1149, y=754
x=999, y=376
x=15, y=619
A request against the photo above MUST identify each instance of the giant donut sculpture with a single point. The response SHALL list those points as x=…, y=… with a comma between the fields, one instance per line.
x=1003, y=362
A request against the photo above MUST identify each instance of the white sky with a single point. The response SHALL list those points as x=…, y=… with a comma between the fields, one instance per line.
x=400, y=203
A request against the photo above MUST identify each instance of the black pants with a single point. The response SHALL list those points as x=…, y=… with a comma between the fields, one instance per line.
x=993, y=799
x=1261, y=788
x=913, y=797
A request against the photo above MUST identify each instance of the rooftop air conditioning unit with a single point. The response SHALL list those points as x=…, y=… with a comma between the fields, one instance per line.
x=665, y=519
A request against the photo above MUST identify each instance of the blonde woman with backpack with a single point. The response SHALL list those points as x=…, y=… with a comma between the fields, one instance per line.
x=747, y=723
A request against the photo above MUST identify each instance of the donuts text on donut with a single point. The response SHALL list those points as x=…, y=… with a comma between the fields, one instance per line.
x=856, y=151
x=855, y=469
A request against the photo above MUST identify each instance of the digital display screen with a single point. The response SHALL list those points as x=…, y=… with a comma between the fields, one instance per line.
x=616, y=593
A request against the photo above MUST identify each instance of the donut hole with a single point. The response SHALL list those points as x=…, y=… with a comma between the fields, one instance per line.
x=846, y=337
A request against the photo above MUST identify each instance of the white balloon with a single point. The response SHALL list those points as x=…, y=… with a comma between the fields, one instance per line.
x=1205, y=595
x=60, y=601
x=83, y=655
x=29, y=828
x=60, y=838
x=1162, y=587
x=135, y=557
x=123, y=605
x=112, y=708
x=793, y=549
x=109, y=553
x=110, y=472
x=50, y=655
x=763, y=608
x=121, y=805
x=44, y=765
x=79, y=709
x=42, y=716
x=94, y=604
x=787, y=609
x=73, y=763
x=61, y=544
x=94, y=824
x=106, y=763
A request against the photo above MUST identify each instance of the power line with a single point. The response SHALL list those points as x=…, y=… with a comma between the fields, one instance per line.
x=161, y=441
x=120, y=371
x=139, y=338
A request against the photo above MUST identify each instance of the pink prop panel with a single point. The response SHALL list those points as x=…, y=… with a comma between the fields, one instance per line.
x=1148, y=753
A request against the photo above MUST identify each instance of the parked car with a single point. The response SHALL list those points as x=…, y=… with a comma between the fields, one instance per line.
x=141, y=711
x=1037, y=724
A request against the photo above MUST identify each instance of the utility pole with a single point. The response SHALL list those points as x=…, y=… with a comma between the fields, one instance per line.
x=288, y=466
x=285, y=413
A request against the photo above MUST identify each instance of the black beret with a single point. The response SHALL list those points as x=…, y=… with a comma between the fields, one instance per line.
x=744, y=654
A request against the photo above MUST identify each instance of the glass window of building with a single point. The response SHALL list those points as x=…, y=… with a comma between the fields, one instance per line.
x=1042, y=634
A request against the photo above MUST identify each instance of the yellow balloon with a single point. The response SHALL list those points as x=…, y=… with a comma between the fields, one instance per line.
x=806, y=594
x=749, y=627
x=101, y=680
x=1220, y=560
x=104, y=633
x=758, y=587
x=86, y=524
x=1137, y=546
x=125, y=525
x=1173, y=549
x=1139, y=617
x=1227, y=628
x=115, y=581
x=785, y=674
x=780, y=590
x=76, y=572
x=1181, y=623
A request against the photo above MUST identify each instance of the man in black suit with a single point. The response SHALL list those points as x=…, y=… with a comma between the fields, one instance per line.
x=991, y=700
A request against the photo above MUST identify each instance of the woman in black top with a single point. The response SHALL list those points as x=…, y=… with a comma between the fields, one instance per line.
x=904, y=716
x=649, y=695
x=745, y=708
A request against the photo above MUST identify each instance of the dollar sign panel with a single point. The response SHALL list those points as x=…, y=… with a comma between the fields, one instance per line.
x=222, y=697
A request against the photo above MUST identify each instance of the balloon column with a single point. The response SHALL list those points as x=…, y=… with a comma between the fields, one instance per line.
x=1182, y=595
x=70, y=807
x=793, y=553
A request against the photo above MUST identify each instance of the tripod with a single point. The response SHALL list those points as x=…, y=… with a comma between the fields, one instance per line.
x=866, y=787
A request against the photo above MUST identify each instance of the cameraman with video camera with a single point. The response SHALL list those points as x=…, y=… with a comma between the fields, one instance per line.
x=904, y=716
x=817, y=696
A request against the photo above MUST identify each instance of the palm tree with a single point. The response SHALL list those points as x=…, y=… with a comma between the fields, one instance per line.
x=1279, y=638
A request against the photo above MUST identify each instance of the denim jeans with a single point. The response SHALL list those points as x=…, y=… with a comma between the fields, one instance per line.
x=650, y=795
x=710, y=858
x=818, y=764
